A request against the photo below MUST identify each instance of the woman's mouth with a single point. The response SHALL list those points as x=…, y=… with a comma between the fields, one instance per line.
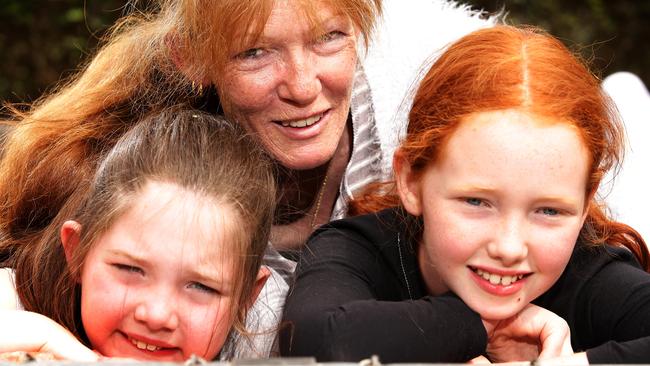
x=302, y=122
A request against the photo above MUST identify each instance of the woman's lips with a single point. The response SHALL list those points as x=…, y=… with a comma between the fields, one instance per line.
x=302, y=122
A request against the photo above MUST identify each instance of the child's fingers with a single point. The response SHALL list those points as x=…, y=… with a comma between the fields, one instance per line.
x=67, y=347
x=555, y=338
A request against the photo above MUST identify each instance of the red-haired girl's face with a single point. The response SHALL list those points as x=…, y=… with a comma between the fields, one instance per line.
x=158, y=284
x=292, y=89
x=502, y=209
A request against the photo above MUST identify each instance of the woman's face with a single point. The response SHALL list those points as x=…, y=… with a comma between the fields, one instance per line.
x=158, y=284
x=502, y=209
x=292, y=88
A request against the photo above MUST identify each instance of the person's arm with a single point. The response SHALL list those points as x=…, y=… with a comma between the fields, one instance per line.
x=32, y=332
x=333, y=311
x=616, y=304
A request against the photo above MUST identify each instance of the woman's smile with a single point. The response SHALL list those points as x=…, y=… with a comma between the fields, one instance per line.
x=293, y=92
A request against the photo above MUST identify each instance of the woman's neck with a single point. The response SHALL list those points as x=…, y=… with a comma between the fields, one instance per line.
x=306, y=197
x=298, y=191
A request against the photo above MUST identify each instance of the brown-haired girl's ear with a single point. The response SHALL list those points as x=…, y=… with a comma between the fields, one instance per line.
x=408, y=185
x=262, y=275
x=70, y=233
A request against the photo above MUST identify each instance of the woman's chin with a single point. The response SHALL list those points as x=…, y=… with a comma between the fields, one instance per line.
x=304, y=161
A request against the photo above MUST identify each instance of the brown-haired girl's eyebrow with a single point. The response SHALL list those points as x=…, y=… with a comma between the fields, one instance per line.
x=210, y=275
x=131, y=257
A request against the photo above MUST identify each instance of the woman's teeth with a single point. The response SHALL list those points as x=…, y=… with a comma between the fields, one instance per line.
x=142, y=345
x=496, y=279
x=303, y=122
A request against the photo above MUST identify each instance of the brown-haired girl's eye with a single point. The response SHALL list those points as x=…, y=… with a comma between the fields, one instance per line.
x=203, y=288
x=128, y=268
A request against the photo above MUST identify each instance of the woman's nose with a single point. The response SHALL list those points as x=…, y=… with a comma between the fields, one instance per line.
x=301, y=84
x=510, y=244
x=158, y=311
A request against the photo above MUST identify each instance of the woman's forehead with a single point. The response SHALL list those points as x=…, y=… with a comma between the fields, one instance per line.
x=313, y=12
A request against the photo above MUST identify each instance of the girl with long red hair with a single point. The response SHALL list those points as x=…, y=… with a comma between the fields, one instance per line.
x=492, y=220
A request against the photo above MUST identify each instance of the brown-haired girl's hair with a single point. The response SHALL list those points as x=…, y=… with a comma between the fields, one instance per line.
x=149, y=60
x=198, y=152
x=506, y=67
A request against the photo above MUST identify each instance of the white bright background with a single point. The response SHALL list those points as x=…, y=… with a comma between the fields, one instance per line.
x=628, y=196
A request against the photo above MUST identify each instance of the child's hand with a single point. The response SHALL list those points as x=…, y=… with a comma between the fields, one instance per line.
x=531, y=334
x=34, y=333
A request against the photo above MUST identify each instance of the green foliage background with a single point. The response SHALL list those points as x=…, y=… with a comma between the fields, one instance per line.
x=43, y=41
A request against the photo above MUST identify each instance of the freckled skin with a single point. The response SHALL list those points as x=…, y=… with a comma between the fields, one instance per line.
x=292, y=74
x=507, y=196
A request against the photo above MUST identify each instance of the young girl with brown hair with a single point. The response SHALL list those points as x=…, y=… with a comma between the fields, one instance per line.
x=160, y=258
x=493, y=207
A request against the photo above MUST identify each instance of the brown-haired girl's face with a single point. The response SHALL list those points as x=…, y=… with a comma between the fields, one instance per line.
x=292, y=88
x=158, y=284
x=502, y=209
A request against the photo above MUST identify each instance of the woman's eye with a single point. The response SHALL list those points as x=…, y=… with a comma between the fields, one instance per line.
x=330, y=36
x=128, y=268
x=203, y=288
x=251, y=53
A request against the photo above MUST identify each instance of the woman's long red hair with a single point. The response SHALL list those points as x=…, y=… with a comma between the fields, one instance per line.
x=506, y=67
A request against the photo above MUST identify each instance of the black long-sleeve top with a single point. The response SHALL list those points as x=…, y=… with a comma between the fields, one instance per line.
x=359, y=292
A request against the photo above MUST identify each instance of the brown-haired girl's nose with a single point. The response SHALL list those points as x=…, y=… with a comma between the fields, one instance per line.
x=157, y=313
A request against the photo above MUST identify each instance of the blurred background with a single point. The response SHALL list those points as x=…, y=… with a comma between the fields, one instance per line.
x=43, y=41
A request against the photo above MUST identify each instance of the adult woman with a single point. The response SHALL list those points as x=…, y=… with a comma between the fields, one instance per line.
x=508, y=138
x=277, y=66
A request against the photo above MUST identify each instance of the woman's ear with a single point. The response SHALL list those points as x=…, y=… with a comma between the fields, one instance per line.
x=262, y=275
x=179, y=59
x=408, y=185
x=70, y=233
